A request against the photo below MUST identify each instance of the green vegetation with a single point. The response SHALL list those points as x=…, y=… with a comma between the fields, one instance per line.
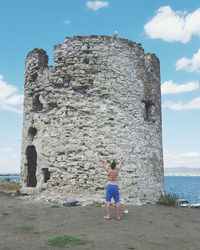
x=55, y=206
x=24, y=229
x=62, y=241
x=168, y=200
x=129, y=43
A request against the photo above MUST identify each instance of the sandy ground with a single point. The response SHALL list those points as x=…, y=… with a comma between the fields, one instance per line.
x=148, y=227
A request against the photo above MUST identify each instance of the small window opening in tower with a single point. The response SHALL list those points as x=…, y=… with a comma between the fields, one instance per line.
x=31, y=155
x=86, y=60
x=32, y=132
x=52, y=105
x=46, y=174
x=33, y=77
x=149, y=111
x=36, y=104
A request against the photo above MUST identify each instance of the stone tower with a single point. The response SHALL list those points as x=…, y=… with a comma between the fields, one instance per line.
x=102, y=94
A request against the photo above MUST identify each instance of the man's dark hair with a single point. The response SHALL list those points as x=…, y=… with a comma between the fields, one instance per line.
x=113, y=164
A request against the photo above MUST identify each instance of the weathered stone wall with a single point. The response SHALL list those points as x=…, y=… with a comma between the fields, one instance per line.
x=102, y=94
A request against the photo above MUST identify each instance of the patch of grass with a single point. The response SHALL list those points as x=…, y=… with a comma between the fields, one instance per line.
x=168, y=200
x=62, y=241
x=24, y=229
x=5, y=213
x=9, y=186
x=55, y=206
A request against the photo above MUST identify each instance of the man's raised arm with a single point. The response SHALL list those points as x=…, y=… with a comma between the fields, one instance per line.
x=101, y=161
x=122, y=161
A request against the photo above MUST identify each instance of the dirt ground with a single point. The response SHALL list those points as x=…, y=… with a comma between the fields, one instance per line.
x=148, y=227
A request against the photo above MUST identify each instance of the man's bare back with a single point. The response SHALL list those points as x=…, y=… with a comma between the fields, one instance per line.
x=111, y=172
x=112, y=175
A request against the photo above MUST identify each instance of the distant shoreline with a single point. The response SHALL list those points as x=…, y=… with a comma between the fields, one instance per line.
x=9, y=174
x=182, y=174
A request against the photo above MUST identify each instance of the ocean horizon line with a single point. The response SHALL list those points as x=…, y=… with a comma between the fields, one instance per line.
x=182, y=174
x=10, y=174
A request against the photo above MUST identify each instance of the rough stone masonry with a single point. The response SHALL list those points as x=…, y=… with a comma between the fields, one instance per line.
x=102, y=94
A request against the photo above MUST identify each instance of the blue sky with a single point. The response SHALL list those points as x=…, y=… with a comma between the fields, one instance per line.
x=170, y=29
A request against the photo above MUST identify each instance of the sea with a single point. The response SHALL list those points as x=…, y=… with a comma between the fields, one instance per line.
x=185, y=187
x=11, y=177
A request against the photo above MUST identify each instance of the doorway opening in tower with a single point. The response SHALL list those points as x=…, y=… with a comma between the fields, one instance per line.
x=31, y=155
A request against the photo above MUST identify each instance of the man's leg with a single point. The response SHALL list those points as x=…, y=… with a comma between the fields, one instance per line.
x=107, y=211
x=117, y=202
x=108, y=200
x=118, y=211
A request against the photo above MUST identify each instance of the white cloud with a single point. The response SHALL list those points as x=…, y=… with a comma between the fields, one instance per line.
x=10, y=98
x=9, y=160
x=169, y=87
x=15, y=155
x=187, y=159
x=194, y=104
x=190, y=65
x=171, y=26
x=67, y=22
x=6, y=150
x=95, y=5
x=190, y=154
x=182, y=63
x=10, y=164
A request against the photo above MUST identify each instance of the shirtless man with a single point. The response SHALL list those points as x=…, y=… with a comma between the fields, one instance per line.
x=112, y=188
